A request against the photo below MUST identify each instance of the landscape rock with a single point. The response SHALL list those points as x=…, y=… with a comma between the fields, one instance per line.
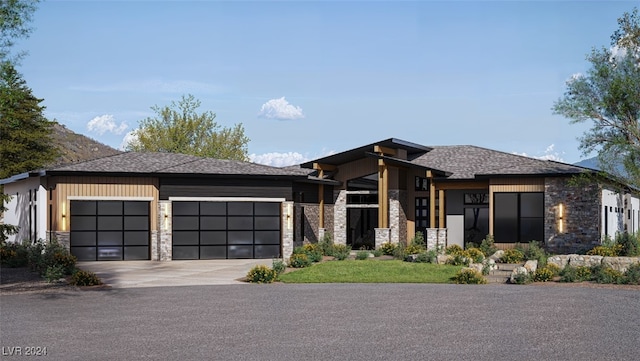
x=517, y=271
x=443, y=258
x=560, y=260
x=620, y=263
x=531, y=266
x=577, y=260
x=497, y=256
x=476, y=266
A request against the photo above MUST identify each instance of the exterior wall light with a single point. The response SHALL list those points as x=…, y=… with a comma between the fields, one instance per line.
x=561, y=218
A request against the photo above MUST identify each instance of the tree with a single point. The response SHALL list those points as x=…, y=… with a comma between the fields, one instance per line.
x=608, y=96
x=25, y=134
x=15, y=16
x=179, y=128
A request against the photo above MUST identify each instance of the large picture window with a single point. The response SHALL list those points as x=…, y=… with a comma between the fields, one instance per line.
x=518, y=217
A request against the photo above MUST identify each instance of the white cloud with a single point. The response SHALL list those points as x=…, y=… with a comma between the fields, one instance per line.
x=280, y=109
x=129, y=138
x=549, y=154
x=106, y=123
x=276, y=159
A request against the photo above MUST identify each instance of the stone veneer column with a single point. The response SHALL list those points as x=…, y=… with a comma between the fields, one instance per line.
x=63, y=238
x=431, y=238
x=164, y=251
x=321, y=233
x=397, y=216
x=287, y=230
x=340, y=217
x=383, y=235
x=442, y=238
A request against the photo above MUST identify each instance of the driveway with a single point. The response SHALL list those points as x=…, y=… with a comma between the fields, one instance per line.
x=128, y=274
x=326, y=322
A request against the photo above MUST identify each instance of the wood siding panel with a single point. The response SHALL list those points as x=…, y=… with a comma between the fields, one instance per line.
x=359, y=168
x=87, y=186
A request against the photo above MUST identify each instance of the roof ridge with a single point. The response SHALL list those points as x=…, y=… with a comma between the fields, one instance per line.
x=87, y=160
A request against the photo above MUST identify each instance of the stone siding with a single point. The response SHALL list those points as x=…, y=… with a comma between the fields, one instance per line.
x=382, y=235
x=64, y=238
x=287, y=231
x=581, y=220
x=165, y=240
x=436, y=239
x=339, y=217
x=397, y=216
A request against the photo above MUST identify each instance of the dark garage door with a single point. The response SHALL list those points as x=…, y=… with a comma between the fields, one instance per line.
x=110, y=230
x=210, y=230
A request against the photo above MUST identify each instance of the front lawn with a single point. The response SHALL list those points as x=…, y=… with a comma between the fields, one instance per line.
x=372, y=271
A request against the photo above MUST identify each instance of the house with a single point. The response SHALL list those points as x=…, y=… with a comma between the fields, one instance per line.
x=162, y=206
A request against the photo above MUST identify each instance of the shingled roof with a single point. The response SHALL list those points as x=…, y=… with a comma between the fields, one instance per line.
x=468, y=162
x=171, y=163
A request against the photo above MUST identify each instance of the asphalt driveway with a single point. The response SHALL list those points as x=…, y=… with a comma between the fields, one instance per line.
x=326, y=322
x=127, y=274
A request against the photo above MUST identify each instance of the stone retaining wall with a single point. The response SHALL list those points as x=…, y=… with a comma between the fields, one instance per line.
x=575, y=260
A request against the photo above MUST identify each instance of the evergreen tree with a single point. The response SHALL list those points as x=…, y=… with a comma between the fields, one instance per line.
x=25, y=135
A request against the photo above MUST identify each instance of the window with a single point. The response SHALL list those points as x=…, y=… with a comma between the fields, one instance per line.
x=476, y=217
x=422, y=184
x=422, y=214
x=518, y=217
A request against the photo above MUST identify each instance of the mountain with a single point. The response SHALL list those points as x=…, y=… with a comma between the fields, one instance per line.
x=589, y=163
x=76, y=147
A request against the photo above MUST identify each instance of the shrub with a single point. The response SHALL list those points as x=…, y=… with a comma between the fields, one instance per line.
x=14, y=254
x=261, y=274
x=400, y=251
x=454, y=249
x=632, y=276
x=54, y=273
x=487, y=246
x=522, y=278
x=604, y=251
x=327, y=245
x=341, y=252
x=413, y=249
x=458, y=260
x=474, y=254
x=554, y=268
x=279, y=266
x=629, y=244
x=418, y=241
x=85, y=278
x=469, y=276
x=512, y=256
x=313, y=252
x=583, y=273
x=299, y=260
x=575, y=274
x=377, y=252
x=387, y=248
x=362, y=255
x=543, y=274
x=536, y=252
x=604, y=274
x=423, y=257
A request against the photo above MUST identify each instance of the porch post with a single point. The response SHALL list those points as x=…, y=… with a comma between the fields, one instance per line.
x=432, y=200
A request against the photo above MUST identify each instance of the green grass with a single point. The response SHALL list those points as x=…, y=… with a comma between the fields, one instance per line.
x=372, y=271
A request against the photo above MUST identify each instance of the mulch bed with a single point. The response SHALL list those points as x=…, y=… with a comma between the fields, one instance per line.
x=22, y=280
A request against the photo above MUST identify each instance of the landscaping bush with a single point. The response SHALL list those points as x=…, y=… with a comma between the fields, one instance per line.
x=554, y=268
x=327, y=245
x=512, y=256
x=279, y=266
x=453, y=250
x=629, y=244
x=413, y=249
x=54, y=273
x=469, y=276
x=475, y=254
x=632, y=276
x=14, y=254
x=400, y=252
x=377, y=252
x=604, y=251
x=388, y=248
x=85, y=278
x=362, y=255
x=487, y=246
x=261, y=274
x=313, y=251
x=459, y=260
x=341, y=252
x=423, y=257
x=535, y=253
x=522, y=278
x=418, y=241
x=575, y=274
x=604, y=274
x=543, y=274
x=299, y=260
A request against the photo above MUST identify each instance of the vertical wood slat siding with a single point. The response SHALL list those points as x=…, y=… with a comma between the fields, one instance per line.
x=357, y=169
x=69, y=186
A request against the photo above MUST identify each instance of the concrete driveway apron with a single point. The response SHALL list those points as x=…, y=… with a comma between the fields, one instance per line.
x=131, y=274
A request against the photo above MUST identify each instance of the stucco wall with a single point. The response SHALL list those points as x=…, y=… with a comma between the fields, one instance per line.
x=29, y=214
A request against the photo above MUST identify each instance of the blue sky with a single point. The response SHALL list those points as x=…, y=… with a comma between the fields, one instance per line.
x=310, y=78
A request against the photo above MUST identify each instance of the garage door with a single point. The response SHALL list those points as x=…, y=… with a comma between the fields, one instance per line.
x=210, y=230
x=109, y=230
